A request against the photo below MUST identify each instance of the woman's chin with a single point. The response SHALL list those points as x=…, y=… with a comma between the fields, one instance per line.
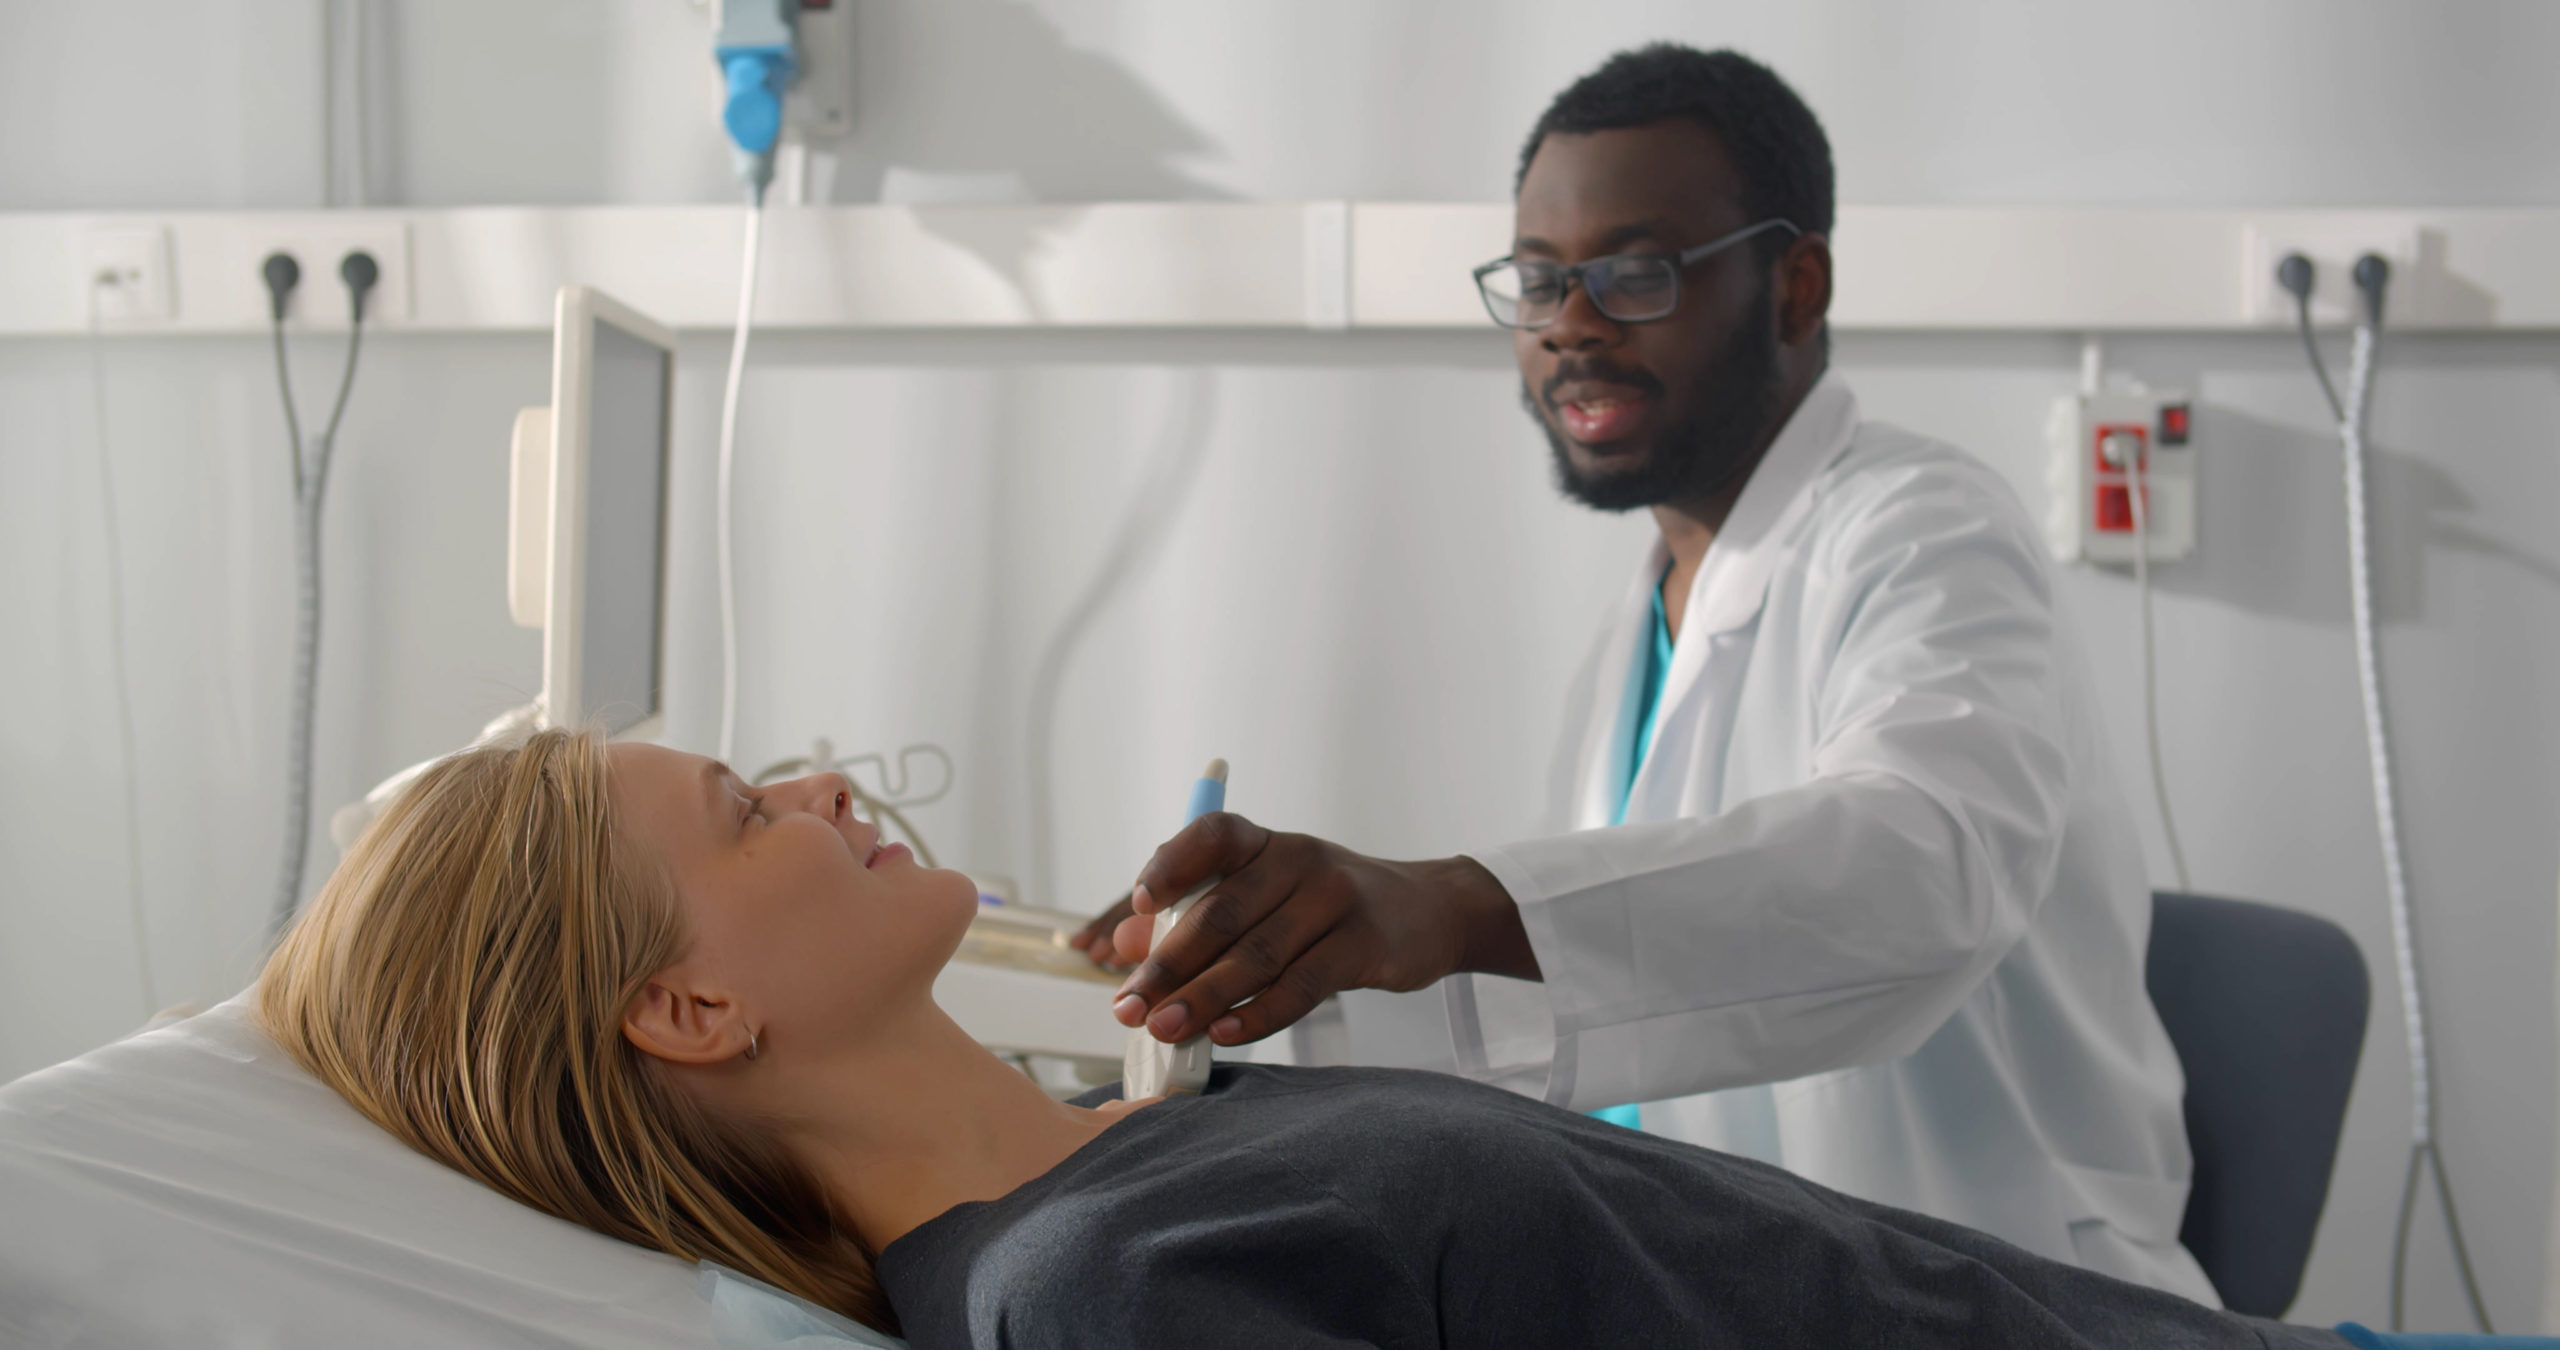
x=956, y=896
x=962, y=891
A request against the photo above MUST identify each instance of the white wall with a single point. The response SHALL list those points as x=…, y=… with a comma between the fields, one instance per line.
x=1362, y=590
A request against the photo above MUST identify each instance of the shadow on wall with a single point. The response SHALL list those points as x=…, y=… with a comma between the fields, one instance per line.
x=2275, y=509
x=983, y=102
x=1190, y=424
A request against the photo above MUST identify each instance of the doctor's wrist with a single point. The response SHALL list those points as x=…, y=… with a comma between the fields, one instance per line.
x=1491, y=938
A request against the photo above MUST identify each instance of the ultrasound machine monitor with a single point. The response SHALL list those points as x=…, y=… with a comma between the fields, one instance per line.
x=586, y=559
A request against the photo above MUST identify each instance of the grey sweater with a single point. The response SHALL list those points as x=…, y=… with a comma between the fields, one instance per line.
x=1378, y=1207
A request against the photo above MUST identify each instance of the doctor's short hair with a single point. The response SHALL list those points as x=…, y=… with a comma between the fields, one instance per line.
x=1774, y=140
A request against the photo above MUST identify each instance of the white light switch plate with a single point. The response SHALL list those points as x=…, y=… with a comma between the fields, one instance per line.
x=126, y=275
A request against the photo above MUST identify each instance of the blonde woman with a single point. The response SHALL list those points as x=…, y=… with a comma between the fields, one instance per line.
x=622, y=986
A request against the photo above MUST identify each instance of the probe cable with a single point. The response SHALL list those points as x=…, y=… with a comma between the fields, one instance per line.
x=728, y=464
x=126, y=740
x=2424, y=1155
x=310, y=493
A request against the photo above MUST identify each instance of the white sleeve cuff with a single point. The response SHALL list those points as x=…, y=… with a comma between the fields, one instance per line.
x=1502, y=1030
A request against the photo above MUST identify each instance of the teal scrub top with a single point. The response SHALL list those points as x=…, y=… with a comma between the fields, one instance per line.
x=1657, y=668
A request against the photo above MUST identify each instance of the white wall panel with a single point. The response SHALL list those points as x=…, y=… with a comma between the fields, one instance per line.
x=1208, y=265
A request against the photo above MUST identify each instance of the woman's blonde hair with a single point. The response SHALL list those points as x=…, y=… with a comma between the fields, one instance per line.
x=462, y=979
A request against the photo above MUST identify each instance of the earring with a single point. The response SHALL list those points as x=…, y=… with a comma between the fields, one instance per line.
x=752, y=1048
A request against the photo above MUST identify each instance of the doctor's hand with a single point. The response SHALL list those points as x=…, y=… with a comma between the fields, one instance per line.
x=1293, y=921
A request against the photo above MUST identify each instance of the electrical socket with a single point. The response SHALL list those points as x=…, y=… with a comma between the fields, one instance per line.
x=126, y=276
x=2332, y=246
x=319, y=244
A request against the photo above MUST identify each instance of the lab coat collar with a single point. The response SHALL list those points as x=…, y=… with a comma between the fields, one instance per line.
x=1726, y=595
x=1733, y=581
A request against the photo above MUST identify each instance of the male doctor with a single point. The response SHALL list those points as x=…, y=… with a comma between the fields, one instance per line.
x=1841, y=819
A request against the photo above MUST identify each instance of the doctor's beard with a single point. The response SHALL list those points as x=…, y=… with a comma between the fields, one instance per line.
x=1716, y=445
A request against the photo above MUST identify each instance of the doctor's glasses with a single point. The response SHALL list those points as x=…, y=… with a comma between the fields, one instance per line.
x=1628, y=287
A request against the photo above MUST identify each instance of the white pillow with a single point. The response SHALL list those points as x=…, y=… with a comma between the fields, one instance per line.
x=191, y=1186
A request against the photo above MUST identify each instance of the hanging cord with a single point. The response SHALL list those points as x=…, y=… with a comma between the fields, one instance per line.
x=2372, y=276
x=126, y=741
x=2137, y=485
x=310, y=493
x=728, y=463
x=2297, y=275
x=2137, y=489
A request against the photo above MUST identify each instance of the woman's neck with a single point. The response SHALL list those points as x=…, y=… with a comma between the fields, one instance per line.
x=923, y=1119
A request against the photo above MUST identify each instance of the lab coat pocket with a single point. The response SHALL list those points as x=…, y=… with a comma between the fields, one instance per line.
x=2127, y=1226
x=2145, y=1209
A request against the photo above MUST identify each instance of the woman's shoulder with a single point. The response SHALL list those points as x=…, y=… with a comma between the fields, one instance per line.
x=1231, y=1199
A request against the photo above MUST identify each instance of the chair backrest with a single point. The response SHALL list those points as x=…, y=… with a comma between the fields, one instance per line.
x=2266, y=1007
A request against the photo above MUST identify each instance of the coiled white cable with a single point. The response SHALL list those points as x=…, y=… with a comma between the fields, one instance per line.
x=2423, y=1153
x=727, y=470
x=2372, y=276
x=2377, y=743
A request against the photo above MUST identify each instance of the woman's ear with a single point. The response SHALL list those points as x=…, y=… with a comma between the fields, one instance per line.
x=671, y=1019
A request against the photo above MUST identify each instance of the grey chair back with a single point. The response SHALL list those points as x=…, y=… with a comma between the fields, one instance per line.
x=2266, y=1007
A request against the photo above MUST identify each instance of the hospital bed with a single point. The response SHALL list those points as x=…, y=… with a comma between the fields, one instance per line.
x=192, y=1186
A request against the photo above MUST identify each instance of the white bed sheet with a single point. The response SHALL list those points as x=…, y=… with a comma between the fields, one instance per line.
x=192, y=1187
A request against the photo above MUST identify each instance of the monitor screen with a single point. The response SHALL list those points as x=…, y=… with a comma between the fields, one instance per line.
x=626, y=485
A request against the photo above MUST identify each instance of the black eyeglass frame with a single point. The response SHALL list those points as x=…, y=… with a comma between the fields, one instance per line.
x=1570, y=275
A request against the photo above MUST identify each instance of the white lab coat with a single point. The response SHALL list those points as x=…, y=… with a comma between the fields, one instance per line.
x=1875, y=856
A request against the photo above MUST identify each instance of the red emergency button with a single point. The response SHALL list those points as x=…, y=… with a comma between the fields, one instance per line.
x=2173, y=424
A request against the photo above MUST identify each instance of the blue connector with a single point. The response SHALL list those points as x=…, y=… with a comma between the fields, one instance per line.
x=754, y=49
x=753, y=112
